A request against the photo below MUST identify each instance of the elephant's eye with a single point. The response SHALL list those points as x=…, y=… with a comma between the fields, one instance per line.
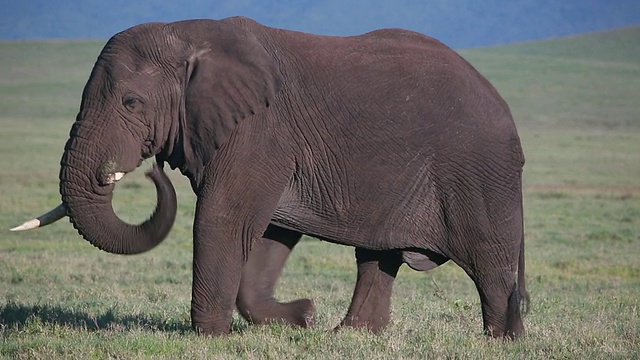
x=132, y=103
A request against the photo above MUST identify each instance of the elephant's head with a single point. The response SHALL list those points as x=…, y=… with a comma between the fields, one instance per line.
x=174, y=91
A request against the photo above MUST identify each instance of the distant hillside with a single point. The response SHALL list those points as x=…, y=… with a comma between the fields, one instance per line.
x=459, y=23
x=622, y=45
x=579, y=82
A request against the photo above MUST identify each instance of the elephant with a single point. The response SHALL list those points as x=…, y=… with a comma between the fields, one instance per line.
x=388, y=142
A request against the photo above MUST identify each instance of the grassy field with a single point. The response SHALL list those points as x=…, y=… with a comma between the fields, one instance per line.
x=576, y=102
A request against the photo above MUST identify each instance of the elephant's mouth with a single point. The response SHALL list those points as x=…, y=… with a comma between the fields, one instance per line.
x=111, y=172
x=112, y=178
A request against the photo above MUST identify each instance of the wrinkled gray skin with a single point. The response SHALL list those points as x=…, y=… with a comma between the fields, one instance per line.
x=388, y=142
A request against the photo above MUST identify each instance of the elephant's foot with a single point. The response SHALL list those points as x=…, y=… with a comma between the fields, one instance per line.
x=370, y=305
x=206, y=330
x=299, y=312
x=375, y=324
x=202, y=324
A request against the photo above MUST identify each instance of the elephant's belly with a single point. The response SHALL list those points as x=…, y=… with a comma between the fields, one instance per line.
x=307, y=222
x=381, y=211
x=395, y=231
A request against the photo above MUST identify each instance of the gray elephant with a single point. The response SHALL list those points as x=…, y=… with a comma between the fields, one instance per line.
x=389, y=142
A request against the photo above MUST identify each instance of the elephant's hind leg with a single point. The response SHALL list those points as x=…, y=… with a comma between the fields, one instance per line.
x=260, y=275
x=495, y=280
x=499, y=298
x=370, y=305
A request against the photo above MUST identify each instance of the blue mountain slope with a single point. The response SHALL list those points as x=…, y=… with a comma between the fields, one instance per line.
x=617, y=46
x=459, y=23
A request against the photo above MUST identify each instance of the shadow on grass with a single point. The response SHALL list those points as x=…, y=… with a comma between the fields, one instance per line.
x=14, y=316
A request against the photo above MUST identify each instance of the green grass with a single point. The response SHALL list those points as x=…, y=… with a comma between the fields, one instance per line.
x=576, y=104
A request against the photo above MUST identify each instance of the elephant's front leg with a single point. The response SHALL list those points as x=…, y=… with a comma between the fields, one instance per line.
x=231, y=216
x=260, y=275
x=223, y=237
x=370, y=305
x=217, y=267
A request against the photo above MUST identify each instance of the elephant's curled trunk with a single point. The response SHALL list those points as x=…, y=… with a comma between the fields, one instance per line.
x=97, y=222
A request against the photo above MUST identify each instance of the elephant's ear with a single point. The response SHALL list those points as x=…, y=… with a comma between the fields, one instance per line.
x=229, y=78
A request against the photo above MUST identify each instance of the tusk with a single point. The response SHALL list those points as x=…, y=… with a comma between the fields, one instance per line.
x=117, y=176
x=42, y=220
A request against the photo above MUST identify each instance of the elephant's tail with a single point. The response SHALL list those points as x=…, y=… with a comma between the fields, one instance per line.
x=519, y=300
x=522, y=288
